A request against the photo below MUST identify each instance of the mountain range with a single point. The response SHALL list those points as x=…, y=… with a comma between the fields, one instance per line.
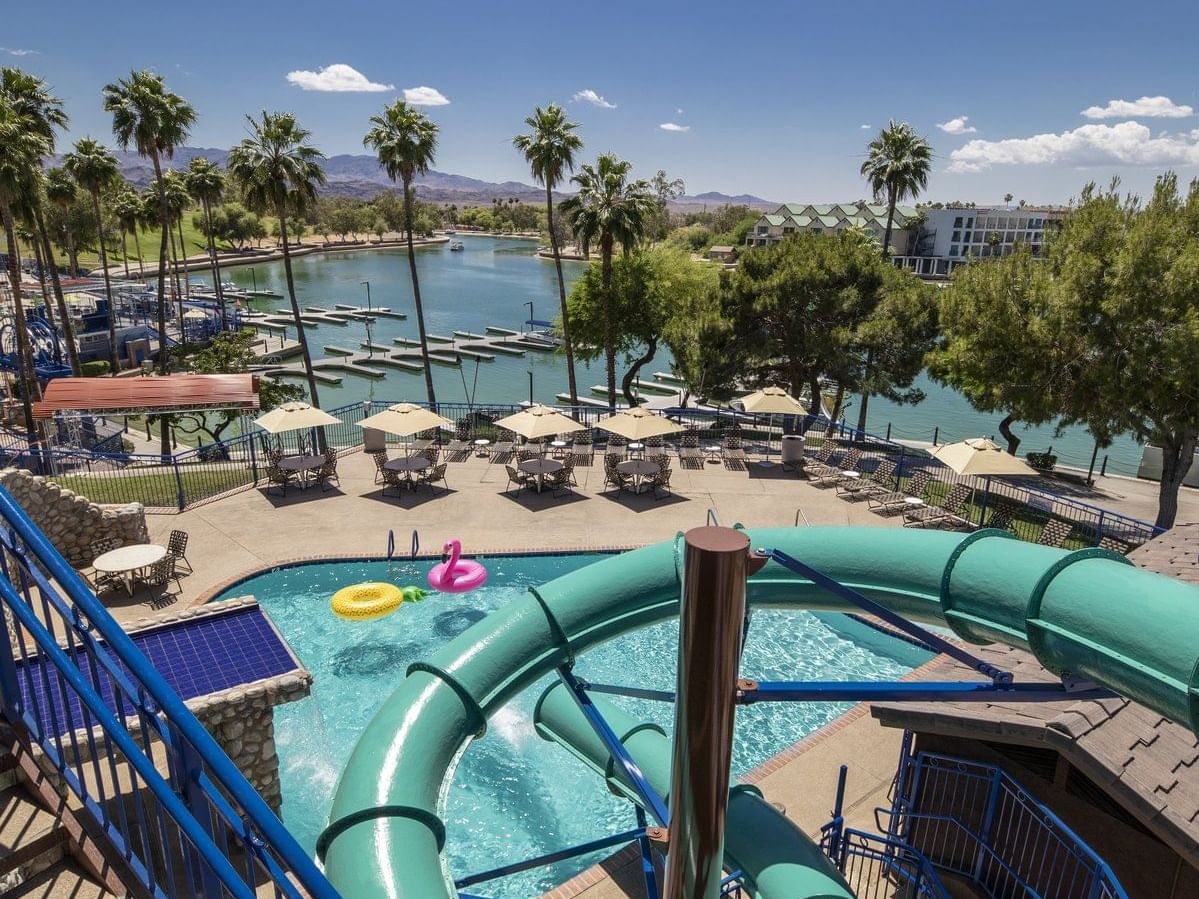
x=360, y=176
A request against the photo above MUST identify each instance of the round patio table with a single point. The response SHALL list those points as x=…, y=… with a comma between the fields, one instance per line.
x=913, y=501
x=481, y=446
x=639, y=469
x=558, y=446
x=712, y=452
x=540, y=467
x=125, y=560
x=407, y=463
x=302, y=464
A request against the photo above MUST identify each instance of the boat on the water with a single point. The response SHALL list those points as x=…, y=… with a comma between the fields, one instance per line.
x=456, y=246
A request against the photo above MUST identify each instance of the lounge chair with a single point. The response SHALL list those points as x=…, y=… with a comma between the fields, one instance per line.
x=618, y=448
x=583, y=446
x=1055, y=532
x=731, y=449
x=430, y=476
x=690, y=455
x=877, y=482
x=945, y=515
x=822, y=462
x=1001, y=517
x=520, y=478
x=1115, y=544
x=327, y=473
x=461, y=444
x=897, y=500
x=177, y=547
x=504, y=445
x=835, y=474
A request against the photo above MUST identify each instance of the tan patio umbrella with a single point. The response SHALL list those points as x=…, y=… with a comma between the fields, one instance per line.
x=772, y=401
x=294, y=417
x=404, y=419
x=637, y=424
x=539, y=421
x=195, y=313
x=981, y=456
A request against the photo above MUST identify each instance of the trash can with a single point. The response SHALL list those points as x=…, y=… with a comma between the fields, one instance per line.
x=793, y=451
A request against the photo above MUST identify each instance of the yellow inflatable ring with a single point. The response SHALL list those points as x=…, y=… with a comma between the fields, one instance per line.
x=362, y=602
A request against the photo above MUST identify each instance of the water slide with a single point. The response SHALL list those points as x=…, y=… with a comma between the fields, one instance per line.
x=1089, y=614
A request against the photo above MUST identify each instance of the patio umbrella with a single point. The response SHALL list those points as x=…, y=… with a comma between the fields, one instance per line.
x=294, y=417
x=404, y=419
x=983, y=457
x=772, y=401
x=637, y=424
x=195, y=313
x=539, y=421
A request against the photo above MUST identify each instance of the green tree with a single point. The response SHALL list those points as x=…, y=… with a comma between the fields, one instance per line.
x=128, y=210
x=95, y=169
x=206, y=184
x=897, y=166
x=653, y=295
x=665, y=189
x=278, y=170
x=609, y=209
x=178, y=201
x=405, y=142
x=549, y=149
x=63, y=192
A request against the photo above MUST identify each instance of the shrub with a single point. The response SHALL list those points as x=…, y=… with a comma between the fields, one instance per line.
x=94, y=369
x=1042, y=461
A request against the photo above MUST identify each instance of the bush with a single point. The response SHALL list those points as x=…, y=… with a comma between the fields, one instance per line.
x=95, y=368
x=1042, y=461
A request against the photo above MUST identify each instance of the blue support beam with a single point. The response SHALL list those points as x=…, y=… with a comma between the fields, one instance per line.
x=550, y=858
x=911, y=691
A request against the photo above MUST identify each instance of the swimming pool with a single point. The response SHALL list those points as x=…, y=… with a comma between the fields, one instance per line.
x=513, y=795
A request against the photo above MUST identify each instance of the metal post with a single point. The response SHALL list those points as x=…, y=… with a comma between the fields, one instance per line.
x=1091, y=469
x=936, y=432
x=530, y=386
x=254, y=278
x=180, y=496
x=716, y=563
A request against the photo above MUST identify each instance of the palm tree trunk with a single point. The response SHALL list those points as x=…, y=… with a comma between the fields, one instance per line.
x=29, y=385
x=570, y=350
x=187, y=282
x=114, y=360
x=164, y=220
x=72, y=255
x=137, y=245
x=281, y=208
x=869, y=364
x=420, y=310
x=175, y=275
x=125, y=251
x=216, y=267
x=64, y=314
x=626, y=383
x=609, y=345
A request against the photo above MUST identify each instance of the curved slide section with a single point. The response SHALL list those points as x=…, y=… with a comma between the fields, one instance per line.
x=1088, y=613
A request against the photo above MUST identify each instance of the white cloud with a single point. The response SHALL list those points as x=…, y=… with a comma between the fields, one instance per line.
x=590, y=96
x=1128, y=143
x=679, y=110
x=1146, y=107
x=425, y=96
x=17, y=51
x=671, y=126
x=957, y=126
x=336, y=78
x=865, y=127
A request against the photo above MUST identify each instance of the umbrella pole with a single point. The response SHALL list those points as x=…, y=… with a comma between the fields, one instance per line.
x=767, y=462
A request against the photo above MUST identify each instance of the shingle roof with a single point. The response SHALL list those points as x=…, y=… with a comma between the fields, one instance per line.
x=1146, y=762
x=775, y=219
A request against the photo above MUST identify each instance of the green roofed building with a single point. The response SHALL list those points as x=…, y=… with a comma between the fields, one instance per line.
x=830, y=218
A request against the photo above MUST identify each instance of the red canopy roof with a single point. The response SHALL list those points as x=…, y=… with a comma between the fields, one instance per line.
x=148, y=394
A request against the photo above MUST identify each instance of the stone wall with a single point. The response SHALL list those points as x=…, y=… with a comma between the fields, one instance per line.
x=73, y=522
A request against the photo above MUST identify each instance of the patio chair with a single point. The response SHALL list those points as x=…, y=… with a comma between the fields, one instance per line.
x=278, y=477
x=431, y=453
x=822, y=462
x=618, y=447
x=835, y=474
x=662, y=461
x=615, y=478
x=524, y=455
x=328, y=470
x=96, y=549
x=654, y=443
x=562, y=479
x=520, y=478
x=945, y=515
x=690, y=455
x=177, y=547
x=1001, y=517
x=1055, y=532
x=160, y=574
x=568, y=466
x=430, y=476
x=460, y=445
x=380, y=461
x=505, y=443
x=583, y=446
x=731, y=449
x=885, y=503
x=660, y=481
x=391, y=479
x=1115, y=544
x=881, y=480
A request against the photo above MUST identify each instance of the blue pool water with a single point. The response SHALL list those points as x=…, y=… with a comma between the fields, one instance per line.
x=515, y=796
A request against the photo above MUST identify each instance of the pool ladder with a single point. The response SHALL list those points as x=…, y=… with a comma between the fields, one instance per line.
x=391, y=544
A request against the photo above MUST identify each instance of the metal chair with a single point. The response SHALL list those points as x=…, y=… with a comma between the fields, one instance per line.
x=583, y=446
x=160, y=574
x=380, y=461
x=278, y=477
x=660, y=481
x=689, y=451
x=431, y=475
x=731, y=449
x=520, y=478
x=1055, y=532
x=177, y=547
x=328, y=470
x=615, y=478
x=944, y=515
x=916, y=487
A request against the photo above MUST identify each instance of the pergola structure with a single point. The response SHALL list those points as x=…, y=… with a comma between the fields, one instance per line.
x=152, y=395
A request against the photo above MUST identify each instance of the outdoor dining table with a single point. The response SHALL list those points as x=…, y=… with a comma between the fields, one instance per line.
x=541, y=467
x=407, y=464
x=303, y=464
x=126, y=560
x=418, y=446
x=639, y=469
x=481, y=446
x=558, y=446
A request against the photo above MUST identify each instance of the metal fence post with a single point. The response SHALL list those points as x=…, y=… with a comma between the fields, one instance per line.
x=253, y=458
x=180, y=496
x=1099, y=528
x=982, y=512
x=984, y=833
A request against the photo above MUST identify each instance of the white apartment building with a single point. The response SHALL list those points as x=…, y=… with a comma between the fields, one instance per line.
x=950, y=237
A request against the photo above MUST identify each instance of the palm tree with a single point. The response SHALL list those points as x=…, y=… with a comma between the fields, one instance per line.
x=128, y=210
x=178, y=200
x=549, y=149
x=405, y=141
x=897, y=165
x=278, y=170
x=612, y=210
x=30, y=98
x=94, y=168
x=22, y=148
x=154, y=121
x=206, y=183
x=62, y=191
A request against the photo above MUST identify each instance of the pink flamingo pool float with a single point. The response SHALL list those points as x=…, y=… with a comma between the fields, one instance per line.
x=453, y=574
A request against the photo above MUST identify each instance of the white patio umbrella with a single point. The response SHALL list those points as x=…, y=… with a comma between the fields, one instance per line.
x=294, y=417
x=404, y=419
x=638, y=423
x=772, y=401
x=539, y=421
x=981, y=456
x=195, y=314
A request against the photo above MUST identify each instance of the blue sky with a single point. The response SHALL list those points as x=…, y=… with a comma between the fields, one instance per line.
x=773, y=96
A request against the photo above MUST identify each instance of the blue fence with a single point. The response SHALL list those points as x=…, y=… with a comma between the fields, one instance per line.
x=177, y=812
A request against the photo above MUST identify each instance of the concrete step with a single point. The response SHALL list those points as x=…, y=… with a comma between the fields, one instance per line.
x=63, y=881
x=31, y=838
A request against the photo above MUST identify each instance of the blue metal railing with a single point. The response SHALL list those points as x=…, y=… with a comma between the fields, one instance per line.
x=180, y=817
x=976, y=821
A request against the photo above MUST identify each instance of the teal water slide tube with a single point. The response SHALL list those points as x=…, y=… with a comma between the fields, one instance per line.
x=1089, y=614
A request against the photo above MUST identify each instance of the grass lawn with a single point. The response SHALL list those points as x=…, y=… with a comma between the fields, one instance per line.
x=156, y=486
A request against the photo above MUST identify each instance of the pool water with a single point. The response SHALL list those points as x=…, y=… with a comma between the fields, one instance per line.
x=515, y=796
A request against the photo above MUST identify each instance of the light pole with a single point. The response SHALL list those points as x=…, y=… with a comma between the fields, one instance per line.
x=529, y=303
x=368, y=294
x=530, y=386
x=370, y=349
x=254, y=278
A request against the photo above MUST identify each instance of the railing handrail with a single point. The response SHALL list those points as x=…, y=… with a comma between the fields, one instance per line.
x=224, y=771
